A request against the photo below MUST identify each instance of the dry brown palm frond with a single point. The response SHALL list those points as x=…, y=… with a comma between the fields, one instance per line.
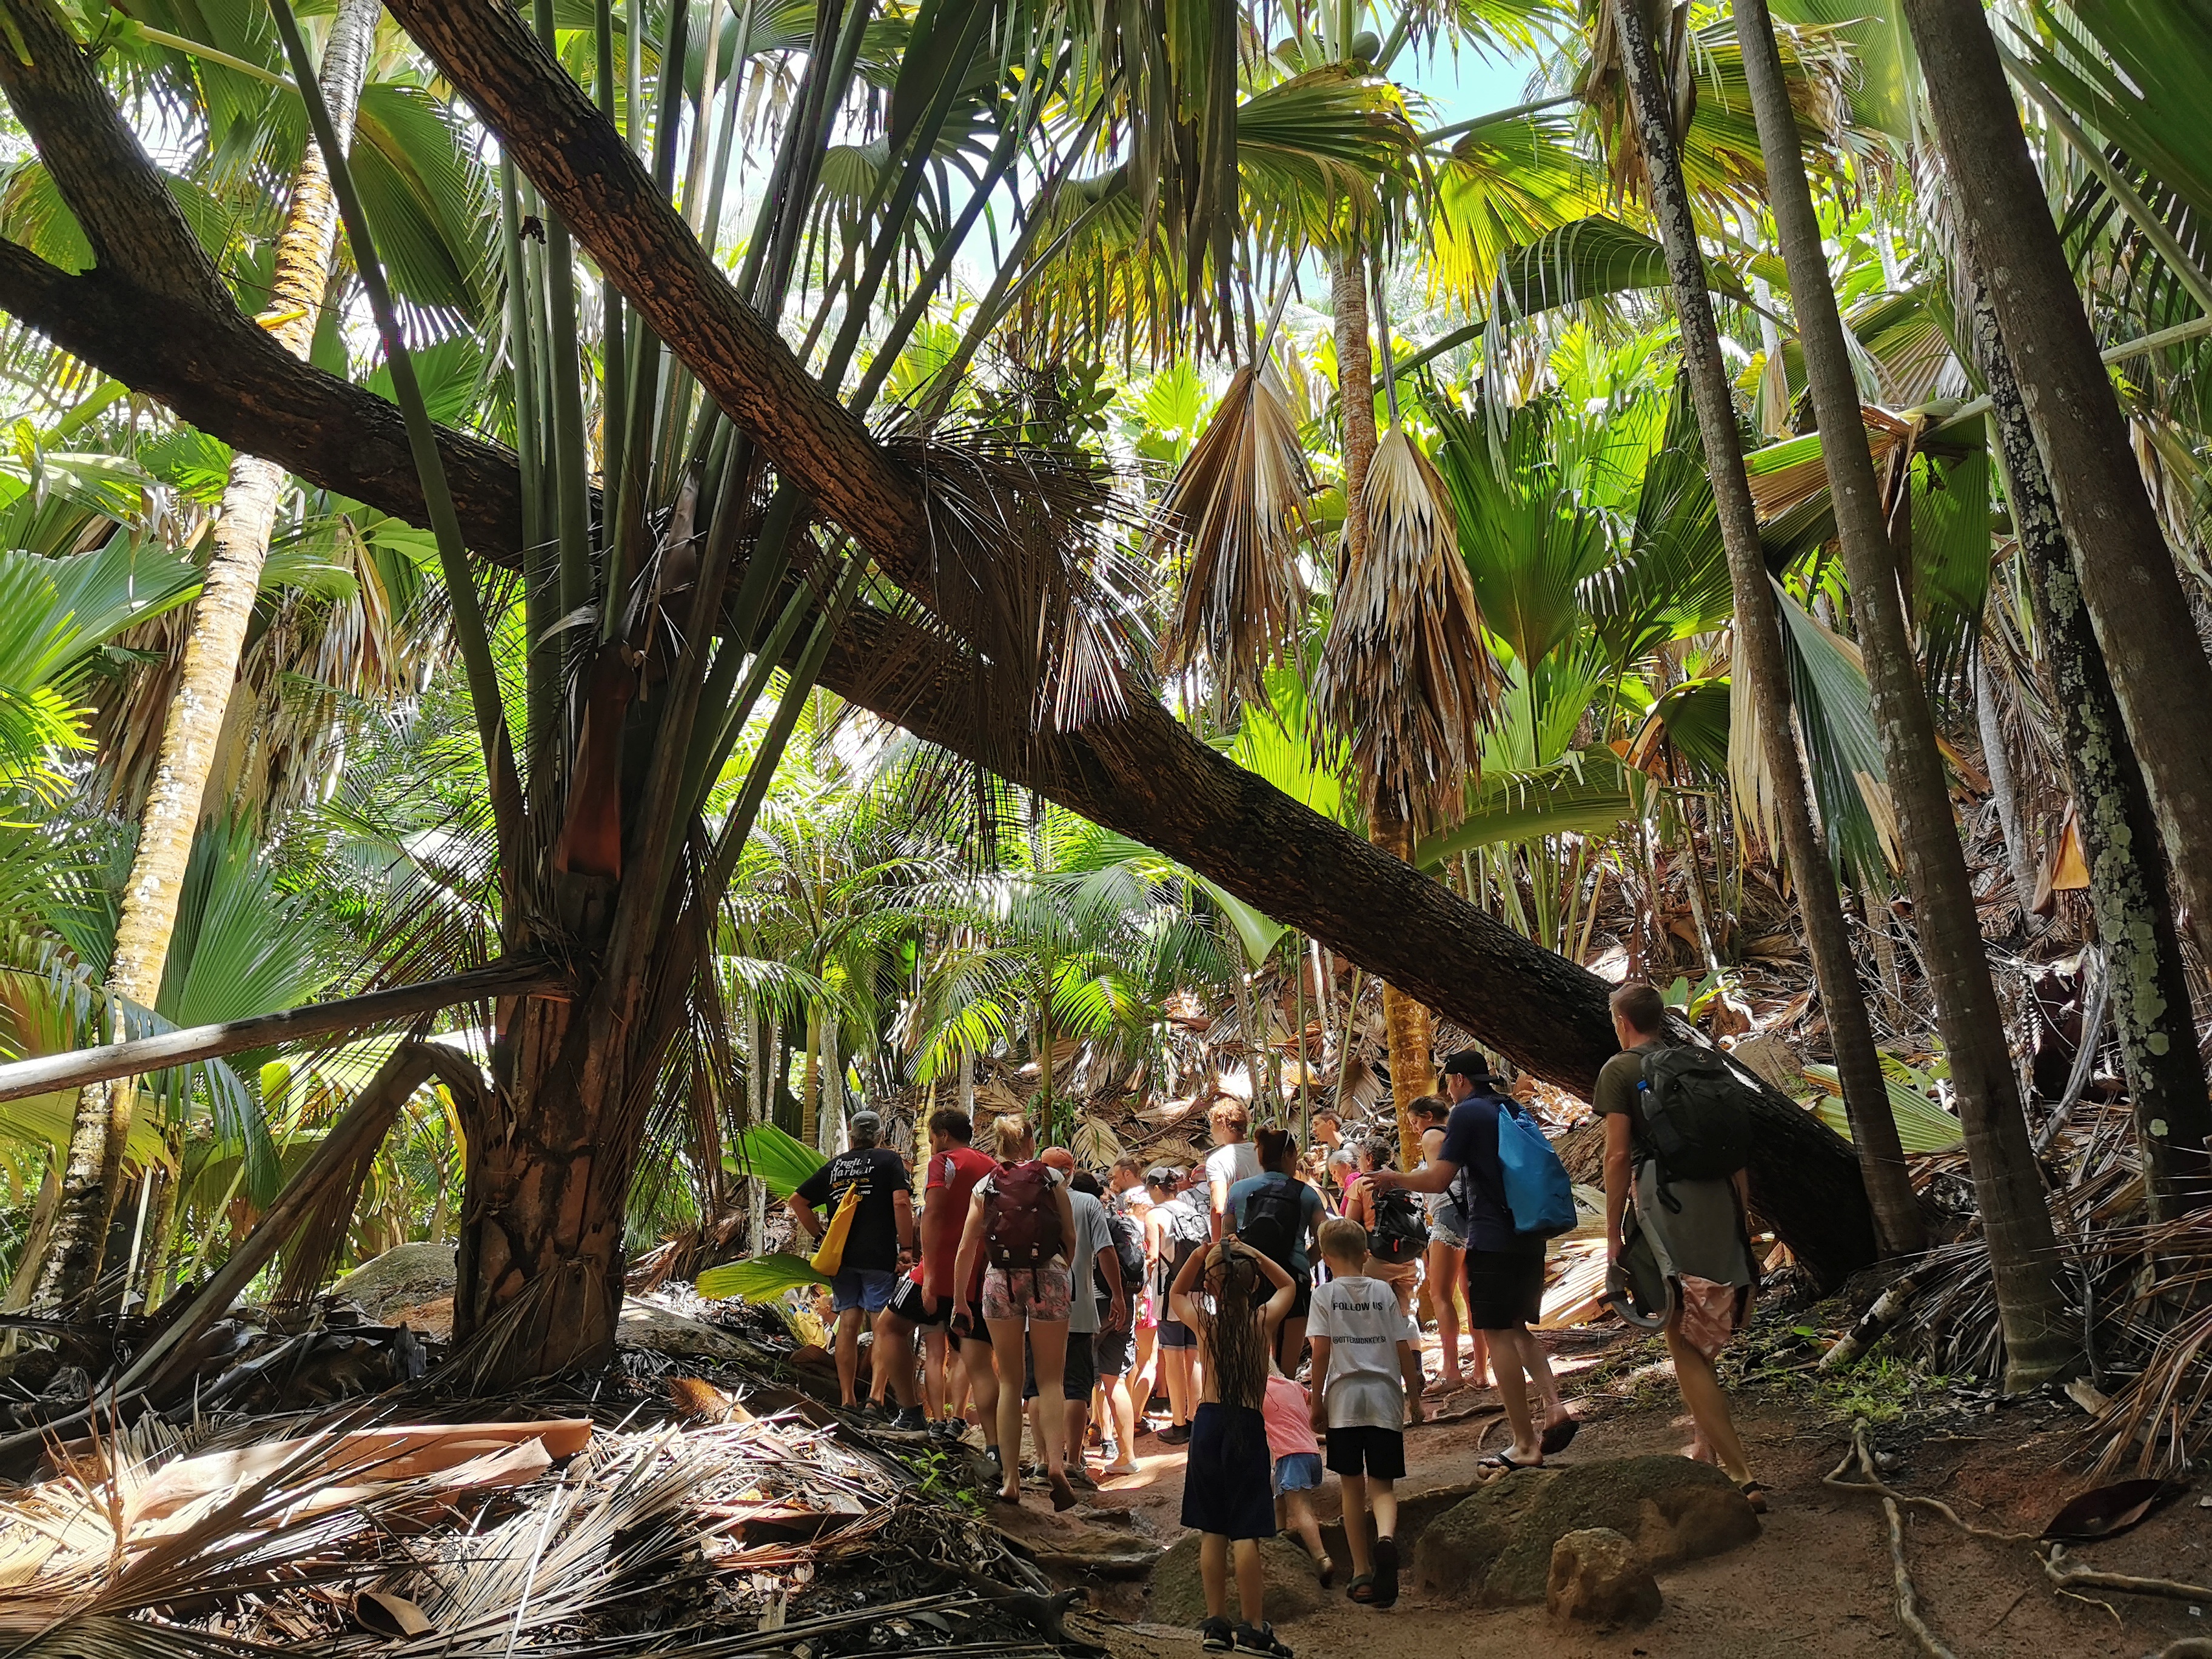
x=1026, y=569
x=1406, y=683
x=1237, y=507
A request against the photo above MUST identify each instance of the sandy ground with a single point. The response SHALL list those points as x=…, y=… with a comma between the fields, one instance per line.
x=1818, y=1580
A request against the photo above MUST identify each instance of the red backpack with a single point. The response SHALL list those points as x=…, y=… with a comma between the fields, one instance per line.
x=1021, y=1220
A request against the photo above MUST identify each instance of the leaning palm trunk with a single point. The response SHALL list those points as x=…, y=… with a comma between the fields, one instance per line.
x=193, y=727
x=1759, y=655
x=2145, y=628
x=2149, y=989
x=2040, y=1343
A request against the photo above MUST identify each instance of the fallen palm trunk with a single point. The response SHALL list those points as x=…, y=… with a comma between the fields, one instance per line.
x=1887, y=1309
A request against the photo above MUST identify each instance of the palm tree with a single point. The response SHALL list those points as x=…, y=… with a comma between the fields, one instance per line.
x=1760, y=653
x=2128, y=579
x=2023, y=1248
x=2149, y=989
x=195, y=719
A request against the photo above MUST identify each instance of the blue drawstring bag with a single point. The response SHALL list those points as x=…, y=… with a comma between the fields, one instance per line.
x=1537, y=1190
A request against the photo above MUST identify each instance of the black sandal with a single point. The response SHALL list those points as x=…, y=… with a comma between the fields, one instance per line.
x=1261, y=1639
x=1215, y=1636
x=1754, y=1493
x=1386, y=1573
x=1364, y=1580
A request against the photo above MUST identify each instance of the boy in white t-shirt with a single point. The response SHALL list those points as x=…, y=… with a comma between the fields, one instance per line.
x=1363, y=1346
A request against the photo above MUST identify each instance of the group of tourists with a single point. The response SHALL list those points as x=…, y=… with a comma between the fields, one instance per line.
x=1040, y=1288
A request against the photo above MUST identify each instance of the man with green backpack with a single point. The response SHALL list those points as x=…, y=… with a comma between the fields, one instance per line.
x=1677, y=1133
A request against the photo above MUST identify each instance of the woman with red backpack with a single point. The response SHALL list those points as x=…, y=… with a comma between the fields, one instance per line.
x=1020, y=1223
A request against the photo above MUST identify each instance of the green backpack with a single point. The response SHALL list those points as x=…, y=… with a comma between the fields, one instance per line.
x=1697, y=1115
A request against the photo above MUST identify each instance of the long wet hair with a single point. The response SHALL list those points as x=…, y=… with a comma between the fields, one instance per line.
x=1236, y=1336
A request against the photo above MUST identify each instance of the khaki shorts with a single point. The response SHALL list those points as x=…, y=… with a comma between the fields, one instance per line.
x=1397, y=1274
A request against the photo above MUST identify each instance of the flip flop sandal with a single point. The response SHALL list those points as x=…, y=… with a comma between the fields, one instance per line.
x=1361, y=1582
x=1754, y=1493
x=1386, y=1573
x=1325, y=1570
x=1063, y=1495
x=1500, y=1463
x=1560, y=1436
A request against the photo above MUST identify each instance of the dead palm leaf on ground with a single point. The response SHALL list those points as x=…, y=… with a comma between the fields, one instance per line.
x=1406, y=683
x=1237, y=509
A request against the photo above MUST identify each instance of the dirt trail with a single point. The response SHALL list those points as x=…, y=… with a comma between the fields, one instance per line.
x=1818, y=1580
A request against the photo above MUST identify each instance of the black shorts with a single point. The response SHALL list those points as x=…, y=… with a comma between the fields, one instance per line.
x=1174, y=1334
x=1228, y=1482
x=1504, y=1288
x=1114, y=1352
x=1303, y=1304
x=906, y=1302
x=1077, y=1377
x=1367, y=1451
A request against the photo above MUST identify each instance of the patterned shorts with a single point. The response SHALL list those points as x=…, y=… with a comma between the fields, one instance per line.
x=1026, y=1293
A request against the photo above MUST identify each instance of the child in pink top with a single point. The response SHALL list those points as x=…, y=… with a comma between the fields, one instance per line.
x=1297, y=1454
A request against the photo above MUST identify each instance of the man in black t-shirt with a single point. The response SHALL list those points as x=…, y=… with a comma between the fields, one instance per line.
x=880, y=1245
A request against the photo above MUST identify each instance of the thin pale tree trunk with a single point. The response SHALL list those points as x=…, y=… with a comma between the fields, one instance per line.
x=1996, y=760
x=1759, y=653
x=193, y=731
x=1405, y=1021
x=2126, y=574
x=2040, y=1342
x=2150, y=990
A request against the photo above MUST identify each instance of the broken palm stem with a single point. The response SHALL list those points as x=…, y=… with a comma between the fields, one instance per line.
x=1874, y=1324
x=2061, y=1571
x=362, y=1126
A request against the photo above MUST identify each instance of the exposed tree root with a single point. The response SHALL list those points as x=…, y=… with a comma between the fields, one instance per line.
x=1908, y=1604
x=2067, y=1576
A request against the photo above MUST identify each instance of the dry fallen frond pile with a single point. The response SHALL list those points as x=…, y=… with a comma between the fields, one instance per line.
x=345, y=1533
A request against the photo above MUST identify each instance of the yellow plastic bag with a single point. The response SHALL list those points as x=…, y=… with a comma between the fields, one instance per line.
x=829, y=1255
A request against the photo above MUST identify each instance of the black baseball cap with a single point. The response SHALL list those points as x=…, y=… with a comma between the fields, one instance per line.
x=1469, y=1064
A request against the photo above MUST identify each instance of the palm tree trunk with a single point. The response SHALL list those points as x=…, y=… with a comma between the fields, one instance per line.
x=1405, y=1021
x=1758, y=652
x=2149, y=994
x=2126, y=576
x=192, y=733
x=2039, y=1340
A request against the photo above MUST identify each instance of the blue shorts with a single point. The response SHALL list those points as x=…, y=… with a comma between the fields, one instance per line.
x=868, y=1289
x=1298, y=1471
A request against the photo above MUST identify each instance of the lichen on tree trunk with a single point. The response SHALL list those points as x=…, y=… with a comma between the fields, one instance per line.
x=2149, y=993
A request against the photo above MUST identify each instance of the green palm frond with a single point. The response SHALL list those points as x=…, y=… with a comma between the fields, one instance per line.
x=1584, y=795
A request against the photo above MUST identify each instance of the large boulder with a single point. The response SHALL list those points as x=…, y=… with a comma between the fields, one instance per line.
x=1597, y=1575
x=404, y=1276
x=1292, y=1591
x=1495, y=1547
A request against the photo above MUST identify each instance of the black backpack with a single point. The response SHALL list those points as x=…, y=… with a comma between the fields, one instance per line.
x=1696, y=1115
x=1189, y=1229
x=1276, y=1220
x=1400, y=1232
x=1129, y=1248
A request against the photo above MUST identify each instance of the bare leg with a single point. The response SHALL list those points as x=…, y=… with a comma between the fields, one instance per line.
x=1355, y=1524
x=1478, y=1367
x=894, y=1359
x=1176, y=1363
x=1122, y=1412
x=1007, y=1345
x=848, y=1352
x=1708, y=1403
x=1291, y=1344
x=1383, y=1496
x=1513, y=1394
x=1077, y=1427
x=1251, y=1582
x=1148, y=1356
x=980, y=1361
x=1214, y=1572
x=1538, y=1364
x=1298, y=1510
x=1048, y=1347
x=1446, y=1269
x=934, y=1403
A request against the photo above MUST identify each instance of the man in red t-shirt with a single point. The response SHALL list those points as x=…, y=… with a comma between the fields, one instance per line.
x=923, y=1299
